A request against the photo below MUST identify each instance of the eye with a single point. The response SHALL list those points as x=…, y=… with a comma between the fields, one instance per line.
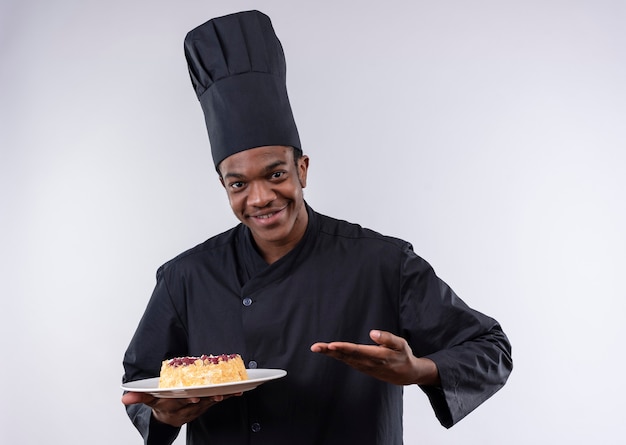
x=236, y=185
x=277, y=175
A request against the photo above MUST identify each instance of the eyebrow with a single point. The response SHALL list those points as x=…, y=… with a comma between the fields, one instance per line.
x=268, y=169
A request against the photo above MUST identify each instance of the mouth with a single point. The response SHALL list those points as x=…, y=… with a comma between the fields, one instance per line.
x=268, y=217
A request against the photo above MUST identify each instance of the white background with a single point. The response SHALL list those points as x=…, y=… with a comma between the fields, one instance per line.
x=490, y=134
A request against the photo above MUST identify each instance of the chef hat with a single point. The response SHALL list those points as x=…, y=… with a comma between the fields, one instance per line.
x=237, y=68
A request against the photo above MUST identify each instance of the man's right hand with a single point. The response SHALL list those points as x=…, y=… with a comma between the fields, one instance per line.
x=174, y=412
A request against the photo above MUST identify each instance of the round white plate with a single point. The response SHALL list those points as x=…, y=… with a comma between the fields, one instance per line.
x=256, y=377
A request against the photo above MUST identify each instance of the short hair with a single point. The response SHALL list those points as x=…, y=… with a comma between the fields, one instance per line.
x=297, y=154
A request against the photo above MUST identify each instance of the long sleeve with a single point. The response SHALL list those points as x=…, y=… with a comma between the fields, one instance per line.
x=337, y=284
x=152, y=431
x=160, y=334
x=471, y=351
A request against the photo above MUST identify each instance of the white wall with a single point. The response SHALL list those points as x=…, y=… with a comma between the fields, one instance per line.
x=488, y=133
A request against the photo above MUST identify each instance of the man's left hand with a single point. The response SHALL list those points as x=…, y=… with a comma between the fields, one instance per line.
x=390, y=360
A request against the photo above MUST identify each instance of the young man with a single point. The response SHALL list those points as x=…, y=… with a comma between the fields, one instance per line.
x=352, y=315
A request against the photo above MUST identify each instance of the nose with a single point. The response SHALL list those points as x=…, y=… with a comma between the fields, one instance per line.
x=260, y=194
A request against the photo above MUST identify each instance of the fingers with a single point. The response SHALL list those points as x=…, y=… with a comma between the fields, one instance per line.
x=349, y=352
x=316, y=347
x=131, y=398
x=388, y=350
x=381, y=338
x=175, y=412
x=390, y=359
x=387, y=339
x=319, y=347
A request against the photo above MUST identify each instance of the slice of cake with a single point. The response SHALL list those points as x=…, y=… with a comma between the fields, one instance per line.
x=199, y=371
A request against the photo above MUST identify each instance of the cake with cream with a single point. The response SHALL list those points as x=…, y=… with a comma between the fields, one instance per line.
x=204, y=370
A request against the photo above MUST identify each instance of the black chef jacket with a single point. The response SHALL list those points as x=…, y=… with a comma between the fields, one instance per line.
x=337, y=284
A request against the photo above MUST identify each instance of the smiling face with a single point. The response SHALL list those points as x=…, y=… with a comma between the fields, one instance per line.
x=264, y=187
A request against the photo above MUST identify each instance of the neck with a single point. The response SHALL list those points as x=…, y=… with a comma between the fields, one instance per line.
x=272, y=251
x=273, y=255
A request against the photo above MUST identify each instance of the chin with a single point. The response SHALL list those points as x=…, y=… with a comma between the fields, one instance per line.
x=270, y=235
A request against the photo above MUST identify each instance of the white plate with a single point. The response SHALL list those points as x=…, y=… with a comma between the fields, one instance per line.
x=256, y=377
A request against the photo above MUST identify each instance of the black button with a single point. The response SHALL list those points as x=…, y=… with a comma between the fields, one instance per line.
x=255, y=427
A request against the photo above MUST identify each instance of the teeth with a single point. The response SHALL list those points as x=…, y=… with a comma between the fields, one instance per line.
x=265, y=216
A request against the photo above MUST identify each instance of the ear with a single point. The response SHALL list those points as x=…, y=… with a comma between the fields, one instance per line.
x=222, y=181
x=303, y=168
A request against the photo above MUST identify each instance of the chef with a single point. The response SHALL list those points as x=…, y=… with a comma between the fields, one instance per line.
x=352, y=315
